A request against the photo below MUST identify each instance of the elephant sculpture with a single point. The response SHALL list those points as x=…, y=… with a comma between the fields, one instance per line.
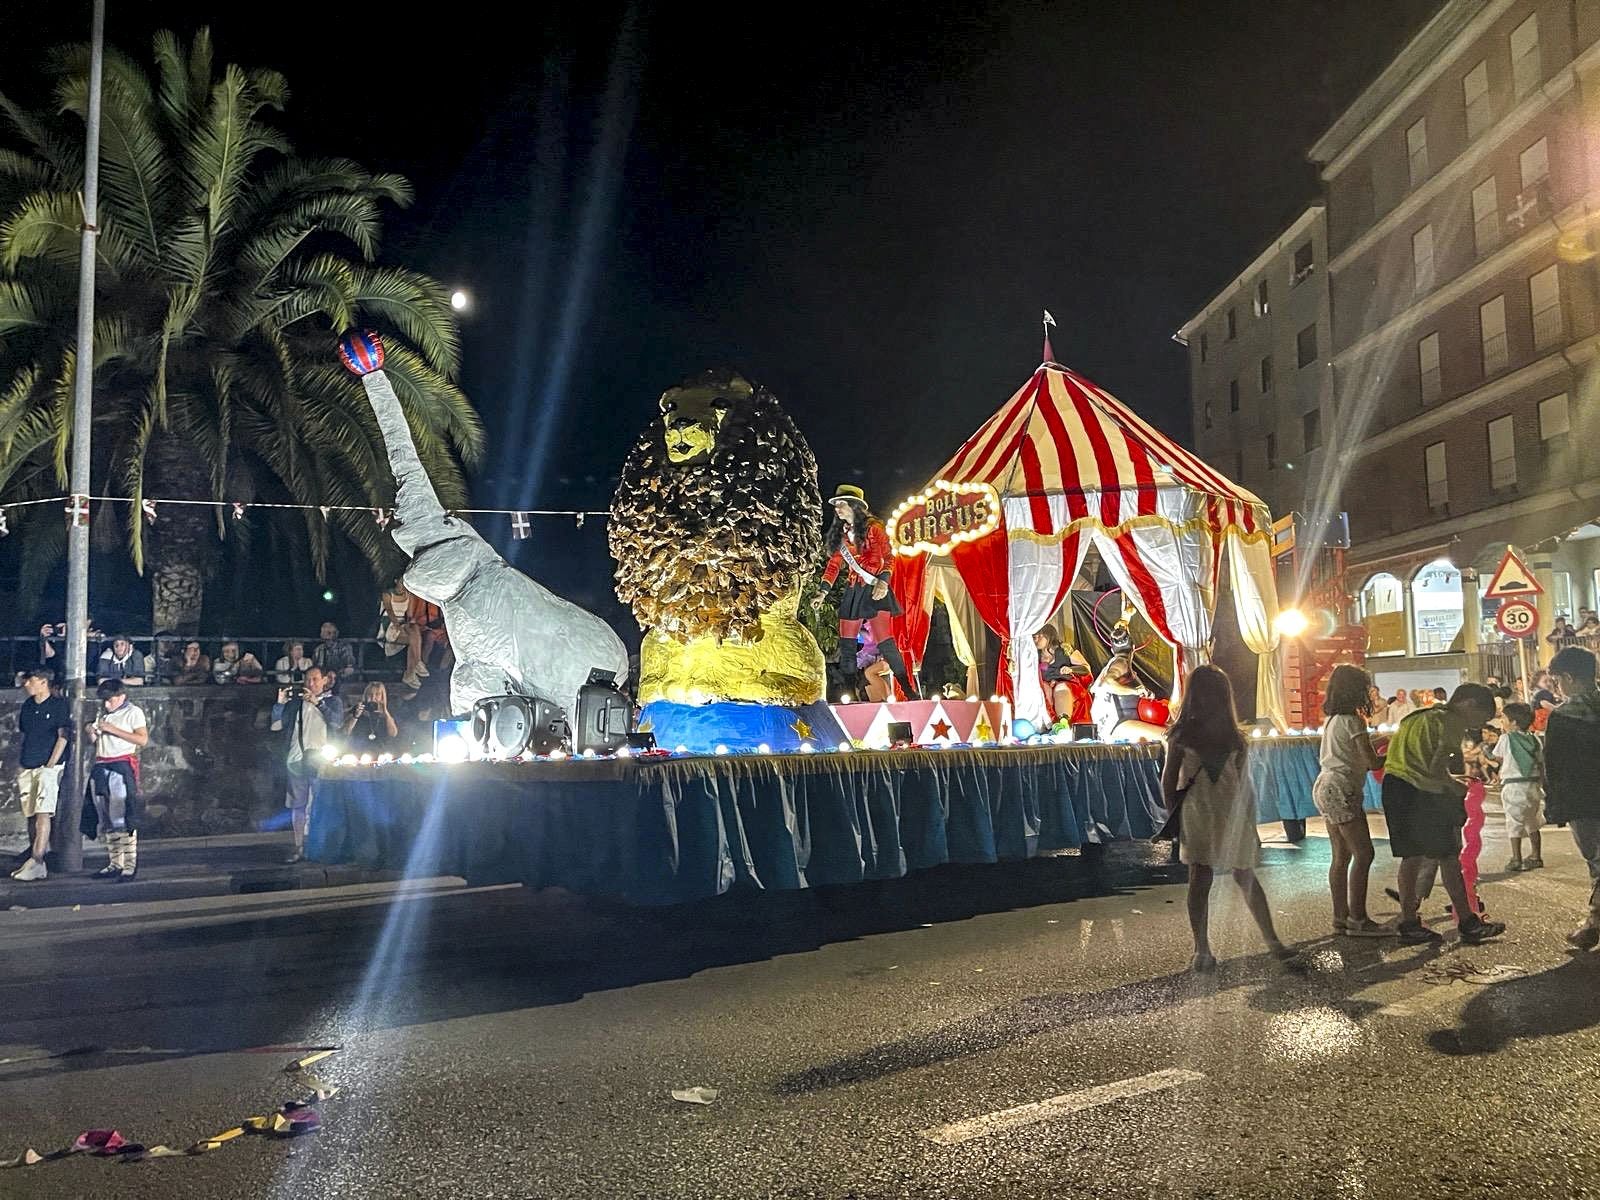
x=509, y=634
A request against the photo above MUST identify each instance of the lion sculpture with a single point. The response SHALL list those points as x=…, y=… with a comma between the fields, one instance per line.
x=714, y=527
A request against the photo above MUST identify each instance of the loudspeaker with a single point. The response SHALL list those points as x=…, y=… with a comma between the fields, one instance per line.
x=506, y=726
x=900, y=733
x=604, y=715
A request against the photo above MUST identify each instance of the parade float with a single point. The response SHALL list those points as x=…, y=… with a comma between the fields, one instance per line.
x=715, y=531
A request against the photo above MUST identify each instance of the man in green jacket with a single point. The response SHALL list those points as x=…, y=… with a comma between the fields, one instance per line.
x=1423, y=806
x=1572, y=772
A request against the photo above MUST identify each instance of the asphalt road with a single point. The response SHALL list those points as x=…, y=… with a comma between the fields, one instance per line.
x=498, y=1043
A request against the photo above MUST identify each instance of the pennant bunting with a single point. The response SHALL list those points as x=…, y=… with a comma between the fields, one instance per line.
x=4, y=528
x=78, y=511
x=238, y=511
x=519, y=526
x=323, y=509
x=381, y=517
x=149, y=507
x=580, y=517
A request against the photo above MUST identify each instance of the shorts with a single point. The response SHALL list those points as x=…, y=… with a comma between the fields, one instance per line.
x=40, y=786
x=1334, y=798
x=1523, y=801
x=1422, y=824
x=302, y=789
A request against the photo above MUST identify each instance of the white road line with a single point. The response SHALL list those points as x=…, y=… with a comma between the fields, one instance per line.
x=1064, y=1105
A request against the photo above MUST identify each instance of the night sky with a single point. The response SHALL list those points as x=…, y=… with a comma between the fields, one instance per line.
x=864, y=207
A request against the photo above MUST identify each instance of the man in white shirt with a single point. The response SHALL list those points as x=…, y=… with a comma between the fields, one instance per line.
x=309, y=718
x=120, y=732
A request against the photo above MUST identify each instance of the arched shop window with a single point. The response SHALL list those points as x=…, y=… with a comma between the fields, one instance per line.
x=1383, y=612
x=1436, y=607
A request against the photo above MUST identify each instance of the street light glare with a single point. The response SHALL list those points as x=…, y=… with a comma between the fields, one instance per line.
x=459, y=300
x=1291, y=623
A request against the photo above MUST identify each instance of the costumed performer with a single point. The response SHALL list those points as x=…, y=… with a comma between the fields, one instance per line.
x=1065, y=676
x=1115, y=707
x=857, y=542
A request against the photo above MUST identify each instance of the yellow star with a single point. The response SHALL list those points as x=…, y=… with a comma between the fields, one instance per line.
x=983, y=732
x=647, y=726
x=801, y=728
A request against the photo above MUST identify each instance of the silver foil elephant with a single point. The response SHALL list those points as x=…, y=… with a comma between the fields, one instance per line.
x=509, y=633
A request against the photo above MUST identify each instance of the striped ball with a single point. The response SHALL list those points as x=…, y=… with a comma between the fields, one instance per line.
x=361, y=351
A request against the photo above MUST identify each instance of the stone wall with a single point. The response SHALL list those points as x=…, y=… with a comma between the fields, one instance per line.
x=212, y=765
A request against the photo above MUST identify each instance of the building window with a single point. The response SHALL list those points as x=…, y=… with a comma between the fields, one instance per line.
x=1422, y=259
x=1535, y=164
x=1527, y=72
x=1205, y=347
x=1311, y=429
x=1417, y=151
x=1263, y=306
x=1303, y=263
x=1544, y=295
x=1306, y=346
x=1272, y=451
x=1382, y=607
x=1438, y=479
x=1428, y=368
x=1502, y=454
x=1486, y=216
x=1475, y=91
x=1233, y=395
x=1436, y=607
x=1555, y=420
x=1266, y=375
x=1233, y=324
x=1492, y=331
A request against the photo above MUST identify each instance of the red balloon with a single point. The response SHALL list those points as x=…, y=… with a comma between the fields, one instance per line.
x=1154, y=712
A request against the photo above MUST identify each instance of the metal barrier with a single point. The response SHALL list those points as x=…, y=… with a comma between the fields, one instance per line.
x=18, y=654
x=1500, y=659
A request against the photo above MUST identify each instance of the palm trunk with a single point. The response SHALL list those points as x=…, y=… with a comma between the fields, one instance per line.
x=177, y=543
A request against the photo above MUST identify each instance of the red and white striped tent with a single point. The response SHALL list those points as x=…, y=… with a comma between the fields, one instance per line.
x=1074, y=467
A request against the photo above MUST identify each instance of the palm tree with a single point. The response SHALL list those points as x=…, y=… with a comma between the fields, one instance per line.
x=226, y=265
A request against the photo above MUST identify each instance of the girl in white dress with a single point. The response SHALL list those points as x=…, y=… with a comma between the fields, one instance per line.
x=1346, y=757
x=1207, y=774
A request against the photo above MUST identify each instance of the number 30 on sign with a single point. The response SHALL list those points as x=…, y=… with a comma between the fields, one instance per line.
x=1517, y=618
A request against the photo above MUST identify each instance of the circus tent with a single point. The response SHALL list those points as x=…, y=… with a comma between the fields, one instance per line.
x=1071, y=469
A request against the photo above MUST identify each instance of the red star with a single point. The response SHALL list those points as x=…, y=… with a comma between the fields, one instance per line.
x=941, y=728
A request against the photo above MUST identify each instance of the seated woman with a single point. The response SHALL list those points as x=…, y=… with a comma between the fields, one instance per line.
x=1115, y=706
x=1065, y=676
x=192, y=668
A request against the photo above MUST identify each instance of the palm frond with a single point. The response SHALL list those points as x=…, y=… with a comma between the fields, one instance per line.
x=417, y=307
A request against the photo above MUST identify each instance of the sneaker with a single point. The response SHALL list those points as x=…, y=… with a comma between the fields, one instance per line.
x=1532, y=864
x=1416, y=934
x=126, y=876
x=108, y=872
x=1516, y=864
x=1585, y=937
x=297, y=856
x=1481, y=931
x=1367, y=928
x=29, y=871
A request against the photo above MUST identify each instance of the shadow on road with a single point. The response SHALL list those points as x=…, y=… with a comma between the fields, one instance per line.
x=1562, y=1000
x=238, y=981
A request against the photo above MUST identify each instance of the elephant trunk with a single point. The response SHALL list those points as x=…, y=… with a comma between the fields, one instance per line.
x=420, y=520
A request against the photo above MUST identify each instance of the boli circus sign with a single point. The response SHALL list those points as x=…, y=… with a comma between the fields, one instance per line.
x=944, y=516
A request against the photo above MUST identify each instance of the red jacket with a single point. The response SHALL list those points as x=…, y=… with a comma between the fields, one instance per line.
x=876, y=557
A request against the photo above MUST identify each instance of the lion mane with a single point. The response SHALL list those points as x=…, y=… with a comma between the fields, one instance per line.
x=704, y=548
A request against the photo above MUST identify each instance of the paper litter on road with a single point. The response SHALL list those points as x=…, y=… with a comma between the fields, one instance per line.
x=695, y=1095
x=1469, y=972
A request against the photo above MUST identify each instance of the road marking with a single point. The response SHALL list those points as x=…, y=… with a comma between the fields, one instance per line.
x=1064, y=1105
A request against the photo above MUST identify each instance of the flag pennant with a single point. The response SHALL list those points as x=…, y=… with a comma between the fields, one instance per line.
x=581, y=516
x=519, y=526
x=78, y=511
x=323, y=509
x=4, y=528
x=149, y=508
x=238, y=510
x=381, y=517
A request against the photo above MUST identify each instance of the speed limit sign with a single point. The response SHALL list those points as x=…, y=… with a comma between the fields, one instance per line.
x=1517, y=618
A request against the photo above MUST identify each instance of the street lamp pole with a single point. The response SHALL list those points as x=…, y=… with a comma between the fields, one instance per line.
x=69, y=843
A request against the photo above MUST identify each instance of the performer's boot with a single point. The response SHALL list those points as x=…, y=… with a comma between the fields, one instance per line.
x=891, y=655
x=849, y=679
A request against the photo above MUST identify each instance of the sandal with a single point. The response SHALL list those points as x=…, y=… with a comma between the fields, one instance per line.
x=1515, y=865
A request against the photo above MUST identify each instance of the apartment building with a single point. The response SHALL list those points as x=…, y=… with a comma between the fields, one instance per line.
x=1462, y=282
x=1258, y=369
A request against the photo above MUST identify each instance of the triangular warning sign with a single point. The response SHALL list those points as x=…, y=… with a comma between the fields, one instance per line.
x=1513, y=578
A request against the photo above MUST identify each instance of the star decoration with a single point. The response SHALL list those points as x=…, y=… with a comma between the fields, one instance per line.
x=941, y=728
x=802, y=729
x=983, y=731
x=647, y=726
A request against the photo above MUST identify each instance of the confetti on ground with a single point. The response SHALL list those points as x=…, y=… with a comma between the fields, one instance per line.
x=695, y=1095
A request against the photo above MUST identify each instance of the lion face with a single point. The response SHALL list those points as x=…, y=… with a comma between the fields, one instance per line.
x=691, y=417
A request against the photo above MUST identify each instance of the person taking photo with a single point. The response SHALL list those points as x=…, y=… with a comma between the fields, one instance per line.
x=309, y=714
